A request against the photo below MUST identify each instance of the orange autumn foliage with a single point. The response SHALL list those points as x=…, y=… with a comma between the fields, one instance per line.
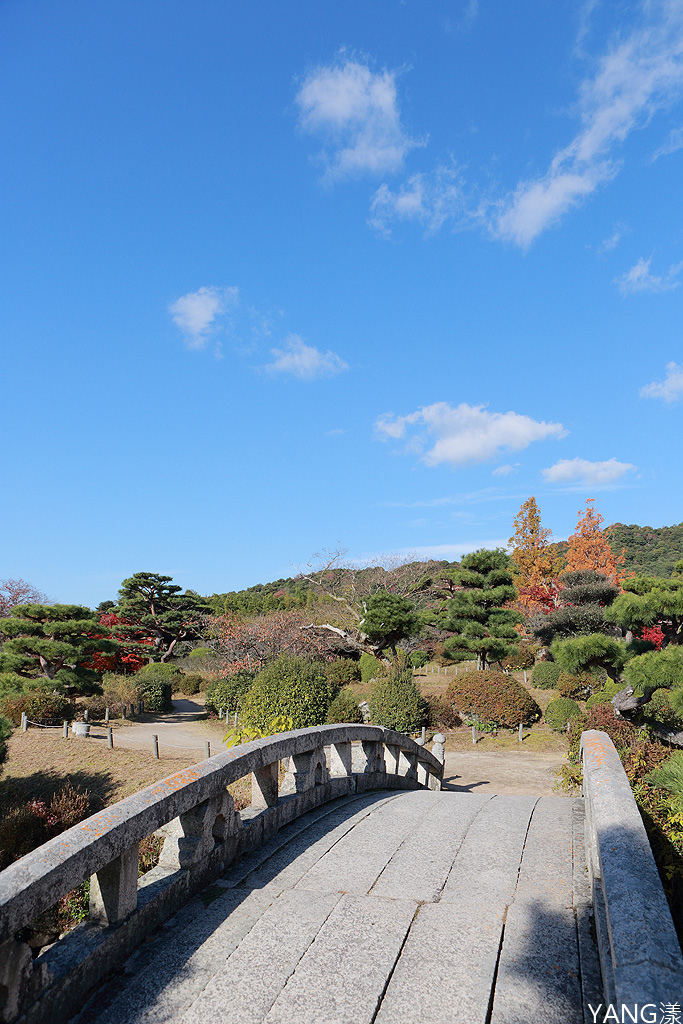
x=589, y=547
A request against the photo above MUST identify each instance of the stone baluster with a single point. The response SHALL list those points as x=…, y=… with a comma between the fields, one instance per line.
x=194, y=835
x=264, y=786
x=439, y=752
x=392, y=757
x=341, y=760
x=114, y=889
x=305, y=771
x=423, y=773
x=407, y=764
x=368, y=757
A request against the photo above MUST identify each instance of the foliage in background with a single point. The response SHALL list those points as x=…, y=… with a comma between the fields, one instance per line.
x=388, y=618
x=475, y=616
x=546, y=675
x=559, y=712
x=581, y=607
x=39, y=705
x=226, y=694
x=296, y=688
x=418, y=659
x=396, y=701
x=343, y=671
x=5, y=733
x=493, y=697
x=370, y=667
x=344, y=708
x=246, y=733
x=14, y=592
x=589, y=653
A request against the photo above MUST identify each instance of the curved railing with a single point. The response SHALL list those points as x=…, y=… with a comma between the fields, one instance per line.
x=203, y=835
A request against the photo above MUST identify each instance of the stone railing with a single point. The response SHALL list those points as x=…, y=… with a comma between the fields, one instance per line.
x=640, y=957
x=203, y=835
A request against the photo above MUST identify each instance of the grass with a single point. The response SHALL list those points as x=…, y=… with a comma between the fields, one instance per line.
x=38, y=764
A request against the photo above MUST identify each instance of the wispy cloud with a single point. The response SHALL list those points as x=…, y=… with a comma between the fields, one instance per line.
x=673, y=143
x=455, y=551
x=428, y=199
x=355, y=111
x=639, y=278
x=297, y=359
x=465, y=434
x=591, y=474
x=611, y=242
x=670, y=389
x=505, y=470
x=638, y=76
x=196, y=313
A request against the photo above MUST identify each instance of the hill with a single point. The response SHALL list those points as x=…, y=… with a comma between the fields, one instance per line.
x=650, y=551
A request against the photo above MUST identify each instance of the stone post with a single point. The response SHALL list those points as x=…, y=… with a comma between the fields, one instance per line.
x=306, y=771
x=438, y=748
x=407, y=764
x=369, y=757
x=114, y=889
x=16, y=972
x=264, y=786
x=392, y=757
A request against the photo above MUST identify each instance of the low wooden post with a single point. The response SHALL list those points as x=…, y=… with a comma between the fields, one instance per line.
x=132, y=710
x=424, y=735
x=110, y=738
x=155, y=746
x=220, y=712
x=123, y=711
x=106, y=716
x=207, y=750
x=86, y=716
x=139, y=707
x=474, y=735
x=520, y=733
x=65, y=729
x=24, y=721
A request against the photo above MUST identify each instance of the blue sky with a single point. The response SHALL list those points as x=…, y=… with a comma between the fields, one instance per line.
x=278, y=277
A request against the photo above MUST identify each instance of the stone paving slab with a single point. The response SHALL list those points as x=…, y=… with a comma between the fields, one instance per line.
x=538, y=970
x=341, y=979
x=357, y=860
x=247, y=984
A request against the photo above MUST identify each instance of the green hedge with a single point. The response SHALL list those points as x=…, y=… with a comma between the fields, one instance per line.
x=155, y=695
x=342, y=671
x=493, y=697
x=370, y=667
x=344, y=708
x=40, y=706
x=289, y=687
x=546, y=675
x=560, y=712
x=418, y=659
x=188, y=683
x=396, y=703
x=226, y=694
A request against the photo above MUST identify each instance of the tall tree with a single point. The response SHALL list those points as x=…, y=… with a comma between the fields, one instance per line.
x=14, y=592
x=650, y=601
x=56, y=641
x=589, y=548
x=153, y=606
x=535, y=558
x=476, y=614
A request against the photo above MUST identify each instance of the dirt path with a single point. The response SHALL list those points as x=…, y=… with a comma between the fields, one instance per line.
x=185, y=728
x=503, y=772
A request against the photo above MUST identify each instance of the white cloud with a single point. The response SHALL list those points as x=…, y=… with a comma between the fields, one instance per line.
x=355, y=110
x=304, y=361
x=429, y=199
x=673, y=143
x=611, y=242
x=196, y=312
x=639, y=278
x=640, y=75
x=582, y=471
x=453, y=552
x=670, y=389
x=505, y=470
x=466, y=434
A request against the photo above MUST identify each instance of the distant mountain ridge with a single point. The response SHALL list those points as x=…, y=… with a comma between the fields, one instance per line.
x=649, y=551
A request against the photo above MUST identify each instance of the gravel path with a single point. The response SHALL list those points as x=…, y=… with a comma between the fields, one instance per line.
x=503, y=772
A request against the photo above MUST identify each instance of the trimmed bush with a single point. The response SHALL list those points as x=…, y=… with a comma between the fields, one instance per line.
x=560, y=712
x=344, y=708
x=659, y=712
x=189, y=683
x=40, y=706
x=288, y=687
x=162, y=672
x=546, y=675
x=440, y=712
x=198, y=653
x=342, y=672
x=418, y=659
x=522, y=658
x=604, y=696
x=493, y=697
x=370, y=667
x=396, y=703
x=576, y=687
x=156, y=696
x=226, y=694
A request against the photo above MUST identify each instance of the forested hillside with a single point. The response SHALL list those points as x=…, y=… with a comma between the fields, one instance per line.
x=650, y=551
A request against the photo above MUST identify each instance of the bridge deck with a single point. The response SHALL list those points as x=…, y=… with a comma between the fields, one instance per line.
x=413, y=907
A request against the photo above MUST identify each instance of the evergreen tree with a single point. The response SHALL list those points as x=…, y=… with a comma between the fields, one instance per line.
x=476, y=615
x=55, y=641
x=388, y=618
x=585, y=597
x=649, y=601
x=153, y=606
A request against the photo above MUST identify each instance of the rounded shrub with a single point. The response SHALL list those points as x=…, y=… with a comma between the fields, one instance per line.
x=546, y=675
x=11, y=682
x=40, y=706
x=396, y=703
x=288, y=687
x=440, y=712
x=604, y=696
x=493, y=697
x=659, y=712
x=188, y=683
x=522, y=658
x=344, y=708
x=418, y=659
x=155, y=695
x=560, y=712
x=161, y=671
x=198, y=653
x=370, y=667
x=342, y=672
x=577, y=687
x=226, y=694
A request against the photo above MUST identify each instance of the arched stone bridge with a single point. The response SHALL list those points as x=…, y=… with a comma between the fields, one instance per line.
x=352, y=890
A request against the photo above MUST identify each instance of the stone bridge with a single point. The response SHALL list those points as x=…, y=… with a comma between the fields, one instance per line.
x=353, y=890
